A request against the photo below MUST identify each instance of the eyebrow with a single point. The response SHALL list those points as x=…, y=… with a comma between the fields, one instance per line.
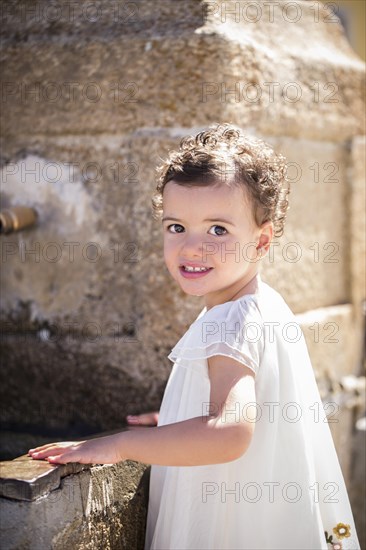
x=207, y=220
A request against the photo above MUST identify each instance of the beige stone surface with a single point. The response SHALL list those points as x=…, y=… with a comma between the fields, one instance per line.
x=357, y=221
x=309, y=263
x=26, y=479
x=39, y=263
x=123, y=311
x=312, y=243
x=210, y=68
x=102, y=507
x=333, y=338
x=358, y=489
x=99, y=96
x=79, y=387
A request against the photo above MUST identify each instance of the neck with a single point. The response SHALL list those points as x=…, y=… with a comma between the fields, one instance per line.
x=250, y=287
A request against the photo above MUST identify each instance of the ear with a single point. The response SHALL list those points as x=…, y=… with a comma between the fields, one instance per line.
x=265, y=236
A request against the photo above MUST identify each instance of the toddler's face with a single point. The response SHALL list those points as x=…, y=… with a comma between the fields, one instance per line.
x=212, y=229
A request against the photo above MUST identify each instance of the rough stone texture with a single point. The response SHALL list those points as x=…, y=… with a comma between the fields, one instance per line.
x=333, y=338
x=111, y=323
x=199, y=60
x=95, y=327
x=79, y=393
x=99, y=507
x=357, y=191
x=26, y=479
x=16, y=443
x=357, y=491
x=313, y=247
x=103, y=95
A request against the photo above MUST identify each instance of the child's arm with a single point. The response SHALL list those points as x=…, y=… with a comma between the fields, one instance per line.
x=222, y=436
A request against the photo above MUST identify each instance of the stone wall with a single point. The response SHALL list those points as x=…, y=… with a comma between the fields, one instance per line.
x=73, y=506
x=92, y=98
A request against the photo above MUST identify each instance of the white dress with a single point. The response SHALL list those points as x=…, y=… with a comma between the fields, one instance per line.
x=288, y=488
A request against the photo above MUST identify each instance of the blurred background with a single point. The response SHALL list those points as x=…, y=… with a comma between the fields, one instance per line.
x=94, y=94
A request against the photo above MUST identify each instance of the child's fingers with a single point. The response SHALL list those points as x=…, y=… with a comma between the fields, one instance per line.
x=41, y=447
x=51, y=449
x=146, y=419
x=54, y=456
x=133, y=419
x=44, y=453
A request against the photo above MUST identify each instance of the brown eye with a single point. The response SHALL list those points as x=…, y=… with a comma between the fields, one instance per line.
x=218, y=230
x=175, y=228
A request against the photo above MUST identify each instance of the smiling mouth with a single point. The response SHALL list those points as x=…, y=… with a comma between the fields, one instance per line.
x=190, y=269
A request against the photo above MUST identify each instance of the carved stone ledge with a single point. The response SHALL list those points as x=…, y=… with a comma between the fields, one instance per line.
x=73, y=505
x=27, y=479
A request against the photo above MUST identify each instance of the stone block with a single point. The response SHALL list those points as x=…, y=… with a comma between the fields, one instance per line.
x=357, y=222
x=26, y=479
x=125, y=316
x=89, y=507
x=96, y=94
x=357, y=491
x=127, y=241
x=72, y=388
x=215, y=67
x=333, y=339
x=309, y=263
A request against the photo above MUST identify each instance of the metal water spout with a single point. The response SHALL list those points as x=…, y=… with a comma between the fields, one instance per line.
x=17, y=218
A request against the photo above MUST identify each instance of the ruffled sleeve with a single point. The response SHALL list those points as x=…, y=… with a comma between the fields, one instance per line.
x=233, y=329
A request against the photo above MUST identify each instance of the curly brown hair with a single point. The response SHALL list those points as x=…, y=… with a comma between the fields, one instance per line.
x=222, y=153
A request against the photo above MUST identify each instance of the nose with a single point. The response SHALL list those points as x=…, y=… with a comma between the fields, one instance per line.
x=192, y=246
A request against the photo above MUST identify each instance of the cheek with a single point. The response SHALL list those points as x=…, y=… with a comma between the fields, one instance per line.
x=249, y=253
x=229, y=252
x=169, y=250
x=234, y=250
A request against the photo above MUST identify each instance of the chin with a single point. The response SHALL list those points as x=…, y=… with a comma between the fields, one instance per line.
x=192, y=292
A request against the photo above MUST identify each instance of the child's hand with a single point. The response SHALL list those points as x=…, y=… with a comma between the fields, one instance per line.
x=146, y=419
x=102, y=450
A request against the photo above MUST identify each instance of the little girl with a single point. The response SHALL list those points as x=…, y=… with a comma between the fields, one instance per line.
x=242, y=456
